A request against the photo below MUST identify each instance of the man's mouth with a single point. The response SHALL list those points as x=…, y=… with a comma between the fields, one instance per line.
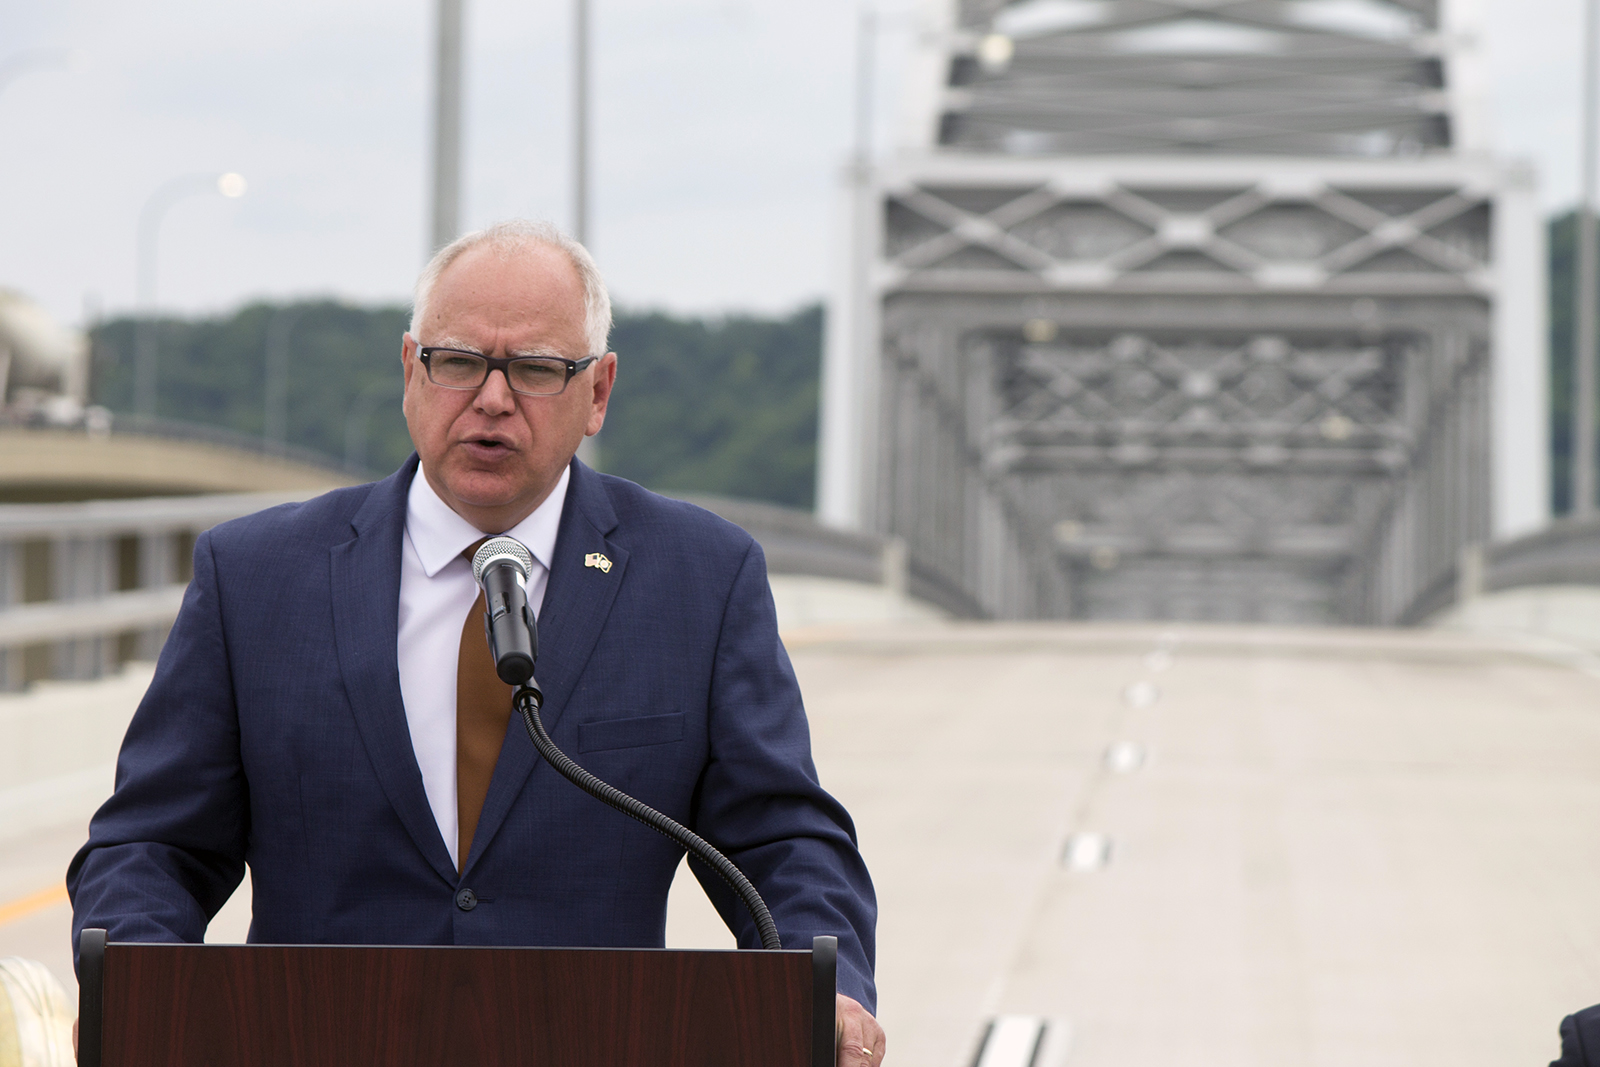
x=488, y=444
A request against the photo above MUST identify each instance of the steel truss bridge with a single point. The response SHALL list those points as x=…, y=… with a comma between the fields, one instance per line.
x=1186, y=309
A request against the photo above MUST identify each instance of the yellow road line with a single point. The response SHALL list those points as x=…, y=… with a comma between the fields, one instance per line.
x=17, y=909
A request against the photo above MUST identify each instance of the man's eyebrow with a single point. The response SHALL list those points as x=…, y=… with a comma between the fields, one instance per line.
x=458, y=344
x=467, y=346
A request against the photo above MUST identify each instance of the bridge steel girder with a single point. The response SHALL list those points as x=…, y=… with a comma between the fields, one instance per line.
x=1242, y=389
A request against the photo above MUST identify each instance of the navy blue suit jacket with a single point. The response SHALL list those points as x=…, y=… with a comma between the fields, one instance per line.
x=273, y=734
x=1580, y=1039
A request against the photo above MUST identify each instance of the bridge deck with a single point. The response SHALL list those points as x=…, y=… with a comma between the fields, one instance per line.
x=1339, y=847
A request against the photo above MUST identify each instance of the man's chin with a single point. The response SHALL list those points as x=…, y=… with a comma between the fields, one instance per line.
x=485, y=489
x=489, y=490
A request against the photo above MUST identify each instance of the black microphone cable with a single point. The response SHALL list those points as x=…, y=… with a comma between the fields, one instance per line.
x=528, y=700
x=500, y=566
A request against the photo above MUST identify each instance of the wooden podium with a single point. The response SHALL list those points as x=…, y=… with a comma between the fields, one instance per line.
x=159, y=1005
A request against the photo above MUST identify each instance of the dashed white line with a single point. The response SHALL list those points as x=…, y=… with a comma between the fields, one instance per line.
x=1012, y=1041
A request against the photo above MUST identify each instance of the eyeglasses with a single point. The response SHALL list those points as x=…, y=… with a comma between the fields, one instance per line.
x=452, y=368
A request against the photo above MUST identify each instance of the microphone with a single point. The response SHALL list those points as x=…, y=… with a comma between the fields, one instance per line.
x=500, y=566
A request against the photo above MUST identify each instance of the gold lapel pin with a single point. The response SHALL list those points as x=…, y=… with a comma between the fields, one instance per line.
x=595, y=559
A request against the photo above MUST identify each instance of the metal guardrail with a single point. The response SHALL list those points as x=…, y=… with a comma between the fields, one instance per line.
x=1565, y=553
x=105, y=517
x=796, y=543
x=56, y=620
x=85, y=586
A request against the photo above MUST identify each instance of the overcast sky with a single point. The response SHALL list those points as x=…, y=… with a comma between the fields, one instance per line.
x=721, y=126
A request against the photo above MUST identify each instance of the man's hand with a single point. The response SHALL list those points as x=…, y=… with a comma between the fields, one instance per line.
x=860, y=1039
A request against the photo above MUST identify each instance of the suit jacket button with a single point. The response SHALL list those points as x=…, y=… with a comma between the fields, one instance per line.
x=466, y=900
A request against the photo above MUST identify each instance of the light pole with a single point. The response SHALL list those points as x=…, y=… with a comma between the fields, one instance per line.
x=589, y=447
x=150, y=216
x=446, y=127
x=850, y=374
x=580, y=121
x=1583, y=349
x=848, y=380
x=866, y=77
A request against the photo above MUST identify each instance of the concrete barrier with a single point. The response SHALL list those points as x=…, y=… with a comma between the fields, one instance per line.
x=58, y=748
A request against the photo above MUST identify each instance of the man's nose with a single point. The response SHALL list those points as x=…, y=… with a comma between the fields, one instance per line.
x=495, y=396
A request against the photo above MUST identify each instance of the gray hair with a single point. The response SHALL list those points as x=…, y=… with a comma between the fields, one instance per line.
x=508, y=238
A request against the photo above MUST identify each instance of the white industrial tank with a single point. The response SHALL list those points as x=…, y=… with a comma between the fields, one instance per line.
x=35, y=1017
x=39, y=358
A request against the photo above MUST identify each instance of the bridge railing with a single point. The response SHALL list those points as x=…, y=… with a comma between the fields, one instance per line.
x=85, y=587
x=1565, y=553
x=795, y=543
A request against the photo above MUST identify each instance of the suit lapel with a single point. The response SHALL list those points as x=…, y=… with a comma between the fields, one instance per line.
x=366, y=601
x=577, y=600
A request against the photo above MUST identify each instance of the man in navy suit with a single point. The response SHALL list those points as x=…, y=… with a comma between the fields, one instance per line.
x=303, y=716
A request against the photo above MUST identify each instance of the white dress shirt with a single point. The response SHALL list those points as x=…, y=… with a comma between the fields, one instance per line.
x=436, y=592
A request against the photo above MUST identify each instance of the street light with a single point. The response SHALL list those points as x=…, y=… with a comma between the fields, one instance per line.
x=231, y=185
x=995, y=52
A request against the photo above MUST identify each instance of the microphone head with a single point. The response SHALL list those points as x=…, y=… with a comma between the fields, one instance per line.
x=501, y=550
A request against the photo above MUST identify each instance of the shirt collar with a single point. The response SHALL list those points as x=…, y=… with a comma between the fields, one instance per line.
x=440, y=535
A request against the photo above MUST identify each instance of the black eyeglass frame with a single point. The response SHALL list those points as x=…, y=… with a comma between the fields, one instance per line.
x=503, y=365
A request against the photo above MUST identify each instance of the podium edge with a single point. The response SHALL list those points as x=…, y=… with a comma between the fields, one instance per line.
x=91, y=995
x=824, y=987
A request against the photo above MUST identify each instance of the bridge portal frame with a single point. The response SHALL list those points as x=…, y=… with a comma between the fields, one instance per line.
x=941, y=265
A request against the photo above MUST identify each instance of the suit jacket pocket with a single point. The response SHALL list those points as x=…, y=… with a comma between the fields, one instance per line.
x=630, y=733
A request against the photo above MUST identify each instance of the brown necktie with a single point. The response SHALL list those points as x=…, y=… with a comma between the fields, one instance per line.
x=483, y=708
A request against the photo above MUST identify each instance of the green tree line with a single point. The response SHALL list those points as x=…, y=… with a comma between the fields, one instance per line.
x=710, y=405
x=705, y=405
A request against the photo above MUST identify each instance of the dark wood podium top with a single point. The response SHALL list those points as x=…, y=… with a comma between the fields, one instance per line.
x=158, y=1005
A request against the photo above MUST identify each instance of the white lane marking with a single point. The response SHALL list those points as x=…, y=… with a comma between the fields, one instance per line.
x=1124, y=757
x=1012, y=1041
x=1086, y=852
x=1141, y=694
x=1055, y=1045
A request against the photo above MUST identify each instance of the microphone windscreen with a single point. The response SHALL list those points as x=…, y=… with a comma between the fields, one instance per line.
x=501, y=549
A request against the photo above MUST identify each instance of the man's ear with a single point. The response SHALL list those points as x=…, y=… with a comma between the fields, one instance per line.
x=605, y=376
x=408, y=361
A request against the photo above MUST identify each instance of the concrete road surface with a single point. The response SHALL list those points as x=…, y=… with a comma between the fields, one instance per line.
x=1133, y=846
